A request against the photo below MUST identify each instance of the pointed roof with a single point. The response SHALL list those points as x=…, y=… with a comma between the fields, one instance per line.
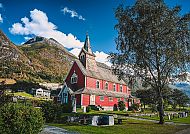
x=87, y=46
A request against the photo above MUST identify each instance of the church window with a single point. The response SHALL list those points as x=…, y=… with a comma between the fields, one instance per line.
x=74, y=78
x=97, y=84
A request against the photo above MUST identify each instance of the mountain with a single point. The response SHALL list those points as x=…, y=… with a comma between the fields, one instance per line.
x=12, y=60
x=39, y=59
x=181, y=85
x=181, y=82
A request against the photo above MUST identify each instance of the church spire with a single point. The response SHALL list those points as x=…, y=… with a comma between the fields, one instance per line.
x=87, y=46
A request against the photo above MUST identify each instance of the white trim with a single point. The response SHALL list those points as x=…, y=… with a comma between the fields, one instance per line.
x=109, y=99
x=120, y=88
x=115, y=87
x=98, y=84
x=81, y=100
x=74, y=77
x=107, y=85
x=85, y=81
x=102, y=96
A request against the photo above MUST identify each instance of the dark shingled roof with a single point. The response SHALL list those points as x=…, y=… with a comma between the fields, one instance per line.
x=104, y=73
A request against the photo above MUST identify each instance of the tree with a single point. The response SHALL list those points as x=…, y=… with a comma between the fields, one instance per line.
x=121, y=105
x=179, y=98
x=153, y=42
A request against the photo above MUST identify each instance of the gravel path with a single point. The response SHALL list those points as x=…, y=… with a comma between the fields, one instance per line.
x=55, y=130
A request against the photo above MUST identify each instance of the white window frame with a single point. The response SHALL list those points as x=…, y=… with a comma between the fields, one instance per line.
x=97, y=84
x=121, y=88
x=74, y=78
x=106, y=86
x=101, y=98
x=110, y=98
x=114, y=87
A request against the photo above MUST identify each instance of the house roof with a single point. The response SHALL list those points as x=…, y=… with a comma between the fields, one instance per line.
x=101, y=92
x=103, y=72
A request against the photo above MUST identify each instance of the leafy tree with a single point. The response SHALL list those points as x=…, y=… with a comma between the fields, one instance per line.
x=20, y=119
x=153, y=42
x=179, y=98
x=121, y=105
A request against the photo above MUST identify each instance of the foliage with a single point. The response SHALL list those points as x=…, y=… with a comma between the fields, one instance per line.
x=24, y=85
x=20, y=119
x=121, y=105
x=179, y=98
x=88, y=109
x=115, y=108
x=134, y=107
x=5, y=98
x=52, y=111
x=40, y=61
x=153, y=42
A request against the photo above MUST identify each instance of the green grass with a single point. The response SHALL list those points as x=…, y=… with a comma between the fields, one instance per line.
x=23, y=94
x=129, y=126
x=176, y=120
x=28, y=96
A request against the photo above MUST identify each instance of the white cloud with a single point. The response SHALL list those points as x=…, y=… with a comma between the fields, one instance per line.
x=72, y=13
x=100, y=56
x=1, y=19
x=40, y=26
x=1, y=5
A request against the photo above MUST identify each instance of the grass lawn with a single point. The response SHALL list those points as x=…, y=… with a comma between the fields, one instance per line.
x=176, y=120
x=129, y=126
x=23, y=94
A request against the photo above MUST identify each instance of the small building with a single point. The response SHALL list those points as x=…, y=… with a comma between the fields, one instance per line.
x=42, y=93
x=93, y=83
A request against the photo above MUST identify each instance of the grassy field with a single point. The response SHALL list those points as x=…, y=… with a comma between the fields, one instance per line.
x=129, y=126
x=176, y=120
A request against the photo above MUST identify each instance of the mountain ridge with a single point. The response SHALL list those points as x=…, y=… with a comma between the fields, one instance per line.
x=38, y=59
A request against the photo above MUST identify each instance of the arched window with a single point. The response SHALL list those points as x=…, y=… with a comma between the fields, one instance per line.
x=97, y=84
x=106, y=85
x=114, y=87
x=74, y=78
x=121, y=88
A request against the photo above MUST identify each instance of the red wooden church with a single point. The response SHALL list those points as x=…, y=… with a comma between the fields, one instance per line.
x=93, y=83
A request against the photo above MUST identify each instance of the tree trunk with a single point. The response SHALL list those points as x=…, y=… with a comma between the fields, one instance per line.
x=161, y=109
x=144, y=105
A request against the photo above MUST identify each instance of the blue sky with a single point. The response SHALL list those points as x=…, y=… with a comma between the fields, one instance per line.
x=55, y=19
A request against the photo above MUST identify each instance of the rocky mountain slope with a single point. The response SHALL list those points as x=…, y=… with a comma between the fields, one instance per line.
x=39, y=59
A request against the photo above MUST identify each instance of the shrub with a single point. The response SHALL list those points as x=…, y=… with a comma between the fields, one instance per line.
x=88, y=109
x=121, y=105
x=53, y=111
x=115, y=108
x=20, y=119
x=134, y=107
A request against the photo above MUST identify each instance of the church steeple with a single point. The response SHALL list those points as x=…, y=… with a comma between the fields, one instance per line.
x=86, y=56
x=87, y=46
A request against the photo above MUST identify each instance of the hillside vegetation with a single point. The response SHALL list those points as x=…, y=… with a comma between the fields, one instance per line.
x=43, y=60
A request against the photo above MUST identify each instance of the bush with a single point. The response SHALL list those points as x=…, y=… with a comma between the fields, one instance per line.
x=20, y=119
x=115, y=108
x=134, y=107
x=88, y=109
x=121, y=105
x=53, y=111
